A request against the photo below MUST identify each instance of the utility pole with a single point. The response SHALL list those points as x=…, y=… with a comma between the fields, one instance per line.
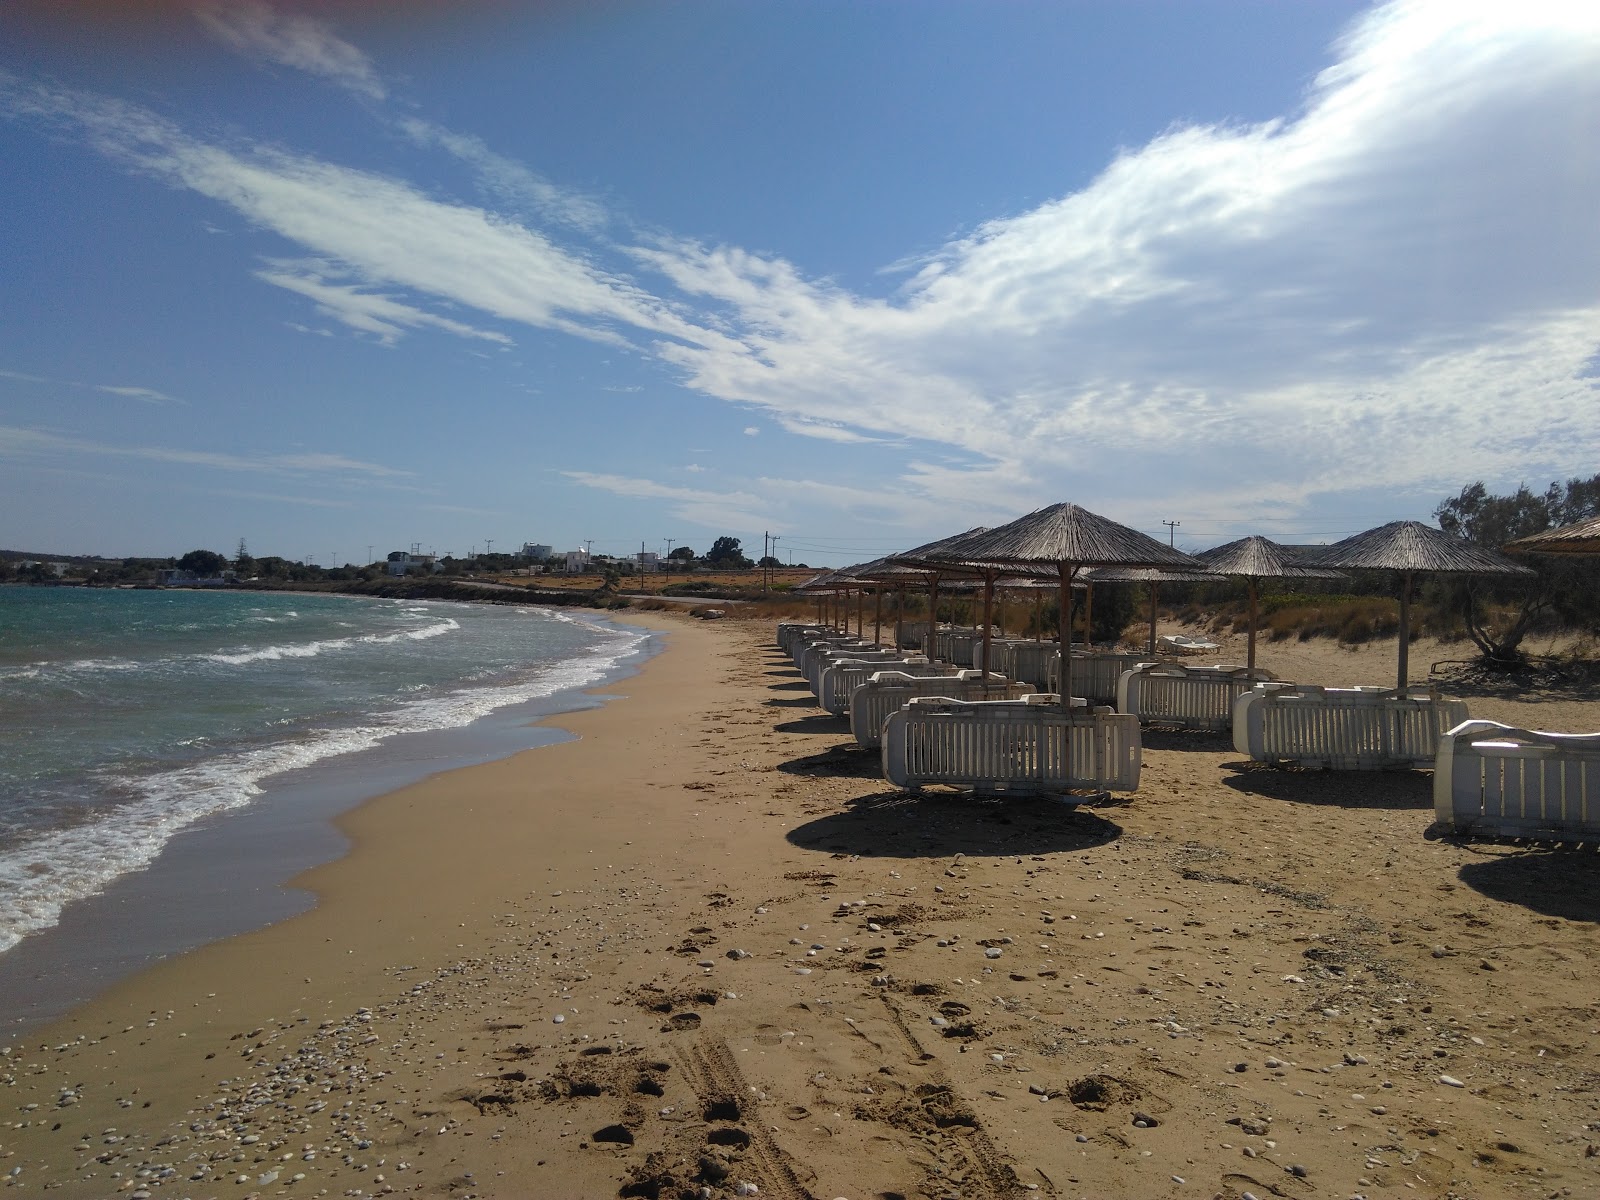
x=369, y=553
x=765, y=538
x=773, y=554
x=668, y=583
x=488, y=545
x=1172, y=531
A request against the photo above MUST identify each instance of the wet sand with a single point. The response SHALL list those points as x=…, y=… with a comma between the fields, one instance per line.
x=704, y=945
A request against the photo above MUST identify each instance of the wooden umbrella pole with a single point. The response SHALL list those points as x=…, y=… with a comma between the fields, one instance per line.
x=861, y=607
x=899, y=616
x=1405, y=630
x=932, y=650
x=1153, y=586
x=1066, y=573
x=877, y=617
x=1250, y=654
x=1088, y=619
x=1038, y=616
x=988, y=611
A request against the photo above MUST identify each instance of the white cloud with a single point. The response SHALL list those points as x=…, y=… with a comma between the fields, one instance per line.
x=291, y=40
x=714, y=510
x=148, y=395
x=382, y=316
x=752, y=431
x=508, y=181
x=694, y=468
x=1351, y=296
x=18, y=442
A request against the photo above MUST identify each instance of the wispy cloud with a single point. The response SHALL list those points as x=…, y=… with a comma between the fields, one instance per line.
x=291, y=40
x=714, y=510
x=131, y=392
x=19, y=442
x=513, y=186
x=382, y=316
x=148, y=395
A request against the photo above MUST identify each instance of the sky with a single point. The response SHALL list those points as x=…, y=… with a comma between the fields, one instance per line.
x=344, y=278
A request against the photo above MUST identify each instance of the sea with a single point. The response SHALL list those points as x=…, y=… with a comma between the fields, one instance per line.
x=169, y=759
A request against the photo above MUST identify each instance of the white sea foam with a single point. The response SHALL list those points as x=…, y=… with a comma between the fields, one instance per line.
x=41, y=876
x=312, y=649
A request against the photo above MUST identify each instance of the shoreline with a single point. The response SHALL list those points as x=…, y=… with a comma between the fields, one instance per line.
x=703, y=944
x=234, y=871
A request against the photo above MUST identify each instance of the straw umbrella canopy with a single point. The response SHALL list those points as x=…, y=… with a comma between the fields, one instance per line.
x=1410, y=547
x=1067, y=538
x=1580, y=538
x=1154, y=577
x=1255, y=559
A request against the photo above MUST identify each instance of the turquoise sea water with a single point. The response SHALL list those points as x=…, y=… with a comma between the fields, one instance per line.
x=127, y=717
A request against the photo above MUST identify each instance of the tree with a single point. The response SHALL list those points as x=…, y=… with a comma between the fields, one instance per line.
x=725, y=554
x=203, y=563
x=243, y=565
x=1566, y=588
x=769, y=561
x=682, y=553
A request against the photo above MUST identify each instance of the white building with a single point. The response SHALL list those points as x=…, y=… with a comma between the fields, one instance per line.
x=403, y=562
x=577, y=560
x=537, y=551
x=649, y=560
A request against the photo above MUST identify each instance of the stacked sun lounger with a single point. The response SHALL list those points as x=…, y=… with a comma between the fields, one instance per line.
x=841, y=677
x=820, y=659
x=1010, y=748
x=1343, y=729
x=890, y=690
x=1096, y=674
x=1182, y=697
x=1499, y=781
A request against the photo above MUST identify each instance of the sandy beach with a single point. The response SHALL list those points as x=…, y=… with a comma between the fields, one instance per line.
x=703, y=948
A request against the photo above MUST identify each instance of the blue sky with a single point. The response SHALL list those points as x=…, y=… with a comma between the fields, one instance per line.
x=858, y=274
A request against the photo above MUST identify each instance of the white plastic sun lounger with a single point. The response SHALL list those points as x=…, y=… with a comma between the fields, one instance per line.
x=1499, y=781
x=814, y=649
x=842, y=677
x=1029, y=662
x=1186, y=697
x=802, y=643
x=1344, y=729
x=1010, y=748
x=819, y=662
x=1097, y=675
x=889, y=691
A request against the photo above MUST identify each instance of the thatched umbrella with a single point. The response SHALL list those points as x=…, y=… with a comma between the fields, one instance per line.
x=1580, y=538
x=1255, y=559
x=1410, y=547
x=1067, y=538
x=1152, y=576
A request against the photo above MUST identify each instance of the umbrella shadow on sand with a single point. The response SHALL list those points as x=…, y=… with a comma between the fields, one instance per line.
x=1332, y=789
x=806, y=701
x=822, y=723
x=1559, y=881
x=899, y=824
